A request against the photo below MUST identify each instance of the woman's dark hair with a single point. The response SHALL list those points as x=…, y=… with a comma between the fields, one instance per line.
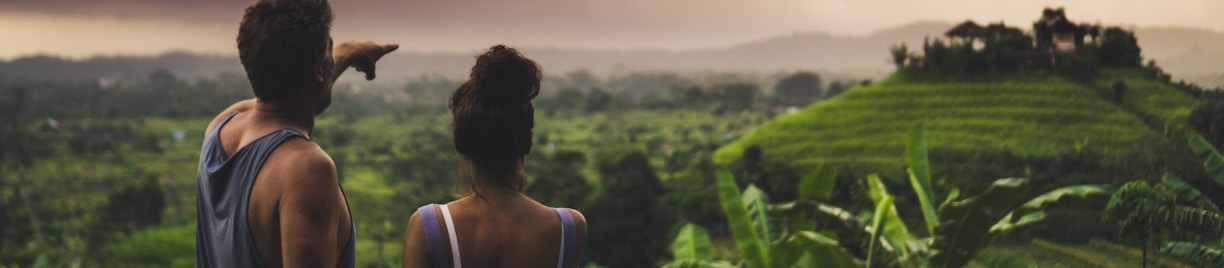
x=494, y=116
x=281, y=42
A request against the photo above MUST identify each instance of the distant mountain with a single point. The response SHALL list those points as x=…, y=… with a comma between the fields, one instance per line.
x=1193, y=54
x=1188, y=53
x=118, y=67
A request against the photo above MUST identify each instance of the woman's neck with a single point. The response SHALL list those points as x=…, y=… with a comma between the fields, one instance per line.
x=495, y=184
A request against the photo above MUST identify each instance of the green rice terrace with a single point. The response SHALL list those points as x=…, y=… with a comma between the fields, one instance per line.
x=1037, y=115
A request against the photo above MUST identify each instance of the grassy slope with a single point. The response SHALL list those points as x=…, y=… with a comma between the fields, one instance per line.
x=1034, y=115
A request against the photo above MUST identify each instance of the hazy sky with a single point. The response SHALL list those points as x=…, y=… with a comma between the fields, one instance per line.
x=81, y=28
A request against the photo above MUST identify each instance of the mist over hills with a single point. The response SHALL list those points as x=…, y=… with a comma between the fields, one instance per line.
x=1193, y=54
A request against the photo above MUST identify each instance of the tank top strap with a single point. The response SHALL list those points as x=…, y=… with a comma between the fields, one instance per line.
x=434, y=238
x=569, y=239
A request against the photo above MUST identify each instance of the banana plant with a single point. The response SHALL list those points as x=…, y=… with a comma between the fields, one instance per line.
x=1205, y=217
x=691, y=248
x=966, y=222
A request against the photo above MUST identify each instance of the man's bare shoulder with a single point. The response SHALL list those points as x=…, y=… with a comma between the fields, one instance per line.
x=305, y=163
x=241, y=106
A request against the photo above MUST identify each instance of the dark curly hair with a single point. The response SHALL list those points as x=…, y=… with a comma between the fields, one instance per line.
x=493, y=114
x=281, y=42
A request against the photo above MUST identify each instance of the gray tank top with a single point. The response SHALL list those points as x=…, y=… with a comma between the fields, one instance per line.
x=223, y=238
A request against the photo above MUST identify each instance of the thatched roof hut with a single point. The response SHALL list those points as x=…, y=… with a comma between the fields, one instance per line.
x=967, y=30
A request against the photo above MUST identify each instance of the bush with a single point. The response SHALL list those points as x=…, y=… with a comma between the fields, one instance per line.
x=1080, y=66
x=627, y=220
x=155, y=247
x=1001, y=259
x=1066, y=226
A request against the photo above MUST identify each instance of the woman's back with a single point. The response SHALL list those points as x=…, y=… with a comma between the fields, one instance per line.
x=507, y=230
x=495, y=225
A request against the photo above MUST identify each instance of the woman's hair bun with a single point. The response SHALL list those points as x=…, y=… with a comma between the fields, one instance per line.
x=503, y=75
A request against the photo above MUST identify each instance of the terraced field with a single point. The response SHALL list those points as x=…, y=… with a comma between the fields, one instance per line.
x=1028, y=115
x=1096, y=253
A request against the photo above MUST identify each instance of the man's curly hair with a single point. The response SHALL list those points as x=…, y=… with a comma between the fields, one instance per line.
x=280, y=42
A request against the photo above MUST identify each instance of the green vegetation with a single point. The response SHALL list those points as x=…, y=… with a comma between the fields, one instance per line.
x=1173, y=211
x=968, y=220
x=103, y=172
x=1029, y=115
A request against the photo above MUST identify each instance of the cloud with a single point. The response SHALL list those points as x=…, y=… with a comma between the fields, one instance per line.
x=464, y=25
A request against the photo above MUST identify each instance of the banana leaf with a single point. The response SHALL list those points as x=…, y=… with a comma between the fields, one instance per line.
x=1200, y=221
x=757, y=203
x=964, y=224
x=920, y=174
x=877, y=223
x=897, y=236
x=1031, y=211
x=823, y=251
x=1191, y=193
x=1203, y=255
x=818, y=186
x=699, y=264
x=746, y=239
x=830, y=218
x=692, y=243
x=1213, y=163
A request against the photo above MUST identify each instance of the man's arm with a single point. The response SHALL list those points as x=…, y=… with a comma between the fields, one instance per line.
x=240, y=106
x=360, y=55
x=311, y=210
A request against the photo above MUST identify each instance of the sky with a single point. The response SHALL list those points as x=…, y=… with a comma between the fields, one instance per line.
x=86, y=28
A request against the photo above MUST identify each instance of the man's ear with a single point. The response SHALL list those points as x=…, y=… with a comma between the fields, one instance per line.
x=322, y=72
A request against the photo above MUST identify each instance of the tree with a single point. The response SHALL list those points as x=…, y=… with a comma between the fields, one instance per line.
x=137, y=206
x=688, y=97
x=837, y=88
x=738, y=97
x=1083, y=65
x=628, y=212
x=798, y=89
x=1120, y=48
x=1208, y=119
x=597, y=100
x=1119, y=88
x=1138, y=209
x=899, y=54
x=559, y=182
x=568, y=99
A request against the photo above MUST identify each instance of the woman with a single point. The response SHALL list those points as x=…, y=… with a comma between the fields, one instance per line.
x=495, y=224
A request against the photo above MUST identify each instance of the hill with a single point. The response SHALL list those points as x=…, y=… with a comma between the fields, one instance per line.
x=1186, y=53
x=1028, y=115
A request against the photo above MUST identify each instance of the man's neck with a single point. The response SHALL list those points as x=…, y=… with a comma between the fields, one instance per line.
x=292, y=115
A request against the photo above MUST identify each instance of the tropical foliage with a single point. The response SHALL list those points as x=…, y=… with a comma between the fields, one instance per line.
x=1194, y=215
x=1172, y=215
x=815, y=234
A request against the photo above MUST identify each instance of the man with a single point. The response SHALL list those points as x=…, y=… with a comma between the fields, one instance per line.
x=268, y=196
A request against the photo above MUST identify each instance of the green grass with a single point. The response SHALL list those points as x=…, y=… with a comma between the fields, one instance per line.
x=1150, y=97
x=1034, y=115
